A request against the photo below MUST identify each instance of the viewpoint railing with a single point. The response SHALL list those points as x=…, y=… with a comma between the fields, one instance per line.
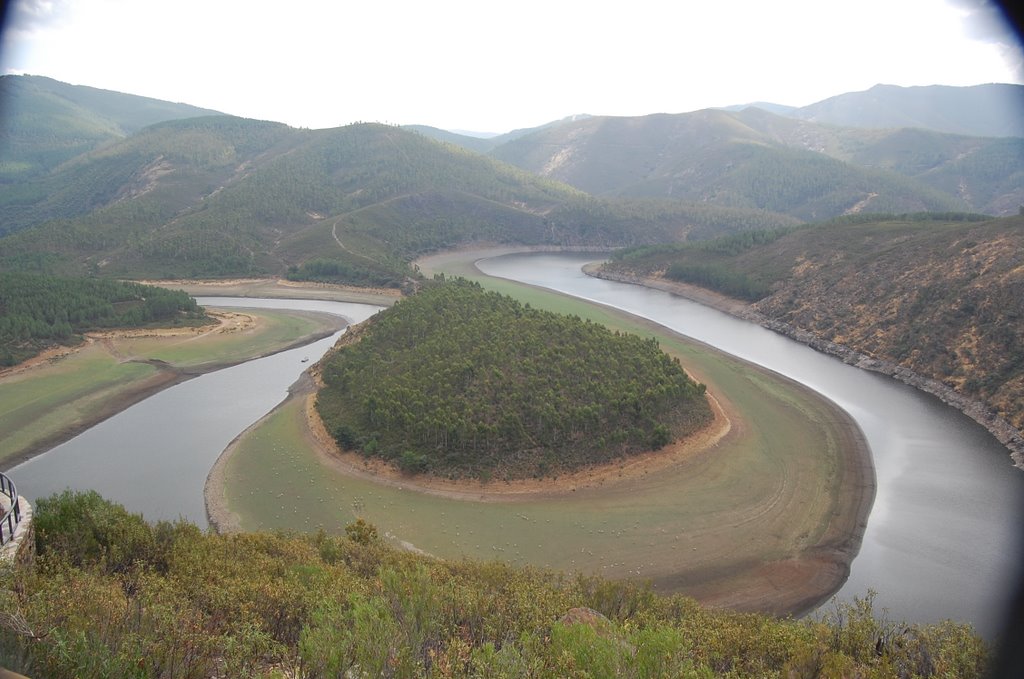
x=12, y=514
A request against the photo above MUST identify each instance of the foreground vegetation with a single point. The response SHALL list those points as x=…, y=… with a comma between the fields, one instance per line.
x=462, y=382
x=37, y=311
x=942, y=295
x=168, y=600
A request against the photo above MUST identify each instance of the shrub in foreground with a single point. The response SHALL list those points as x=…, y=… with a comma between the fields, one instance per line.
x=114, y=596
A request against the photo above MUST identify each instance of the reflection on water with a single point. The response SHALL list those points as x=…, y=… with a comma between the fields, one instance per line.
x=154, y=457
x=944, y=526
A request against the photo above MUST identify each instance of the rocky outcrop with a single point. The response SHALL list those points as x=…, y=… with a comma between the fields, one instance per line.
x=1005, y=433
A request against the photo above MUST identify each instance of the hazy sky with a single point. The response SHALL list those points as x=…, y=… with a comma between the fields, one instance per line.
x=495, y=66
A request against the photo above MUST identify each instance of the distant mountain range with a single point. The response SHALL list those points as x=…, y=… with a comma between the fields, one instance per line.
x=226, y=196
x=109, y=183
x=993, y=110
x=962, y=148
x=755, y=159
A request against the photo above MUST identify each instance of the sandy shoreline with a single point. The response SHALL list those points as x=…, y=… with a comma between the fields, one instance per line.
x=282, y=289
x=356, y=466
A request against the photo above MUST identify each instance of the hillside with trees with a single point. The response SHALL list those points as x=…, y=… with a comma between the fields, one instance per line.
x=170, y=600
x=46, y=122
x=218, y=196
x=460, y=382
x=940, y=295
x=223, y=196
x=38, y=311
x=759, y=160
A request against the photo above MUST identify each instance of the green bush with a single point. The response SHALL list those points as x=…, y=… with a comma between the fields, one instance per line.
x=87, y=530
x=272, y=605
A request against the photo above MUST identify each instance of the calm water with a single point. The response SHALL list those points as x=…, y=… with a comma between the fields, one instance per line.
x=944, y=532
x=154, y=457
x=940, y=539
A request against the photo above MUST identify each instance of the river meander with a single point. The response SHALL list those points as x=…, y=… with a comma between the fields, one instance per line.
x=941, y=538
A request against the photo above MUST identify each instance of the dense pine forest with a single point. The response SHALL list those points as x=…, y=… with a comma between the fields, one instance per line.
x=37, y=311
x=460, y=382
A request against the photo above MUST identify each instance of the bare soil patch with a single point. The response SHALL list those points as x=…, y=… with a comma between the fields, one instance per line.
x=281, y=288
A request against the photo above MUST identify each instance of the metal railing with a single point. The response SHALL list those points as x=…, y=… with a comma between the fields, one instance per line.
x=11, y=517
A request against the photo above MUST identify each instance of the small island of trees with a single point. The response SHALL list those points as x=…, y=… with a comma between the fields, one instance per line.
x=463, y=383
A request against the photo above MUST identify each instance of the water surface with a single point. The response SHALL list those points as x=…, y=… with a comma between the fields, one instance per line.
x=154, y=456
x=943, y=535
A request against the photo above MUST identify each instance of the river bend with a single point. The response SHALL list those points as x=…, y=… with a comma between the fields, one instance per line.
x=944, y=533
x=941, y=540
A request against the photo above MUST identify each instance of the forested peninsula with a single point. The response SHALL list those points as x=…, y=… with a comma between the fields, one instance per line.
x=463, y=383
x=37, y=311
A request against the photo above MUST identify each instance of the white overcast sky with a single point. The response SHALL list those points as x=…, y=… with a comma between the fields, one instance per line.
x=490, y=66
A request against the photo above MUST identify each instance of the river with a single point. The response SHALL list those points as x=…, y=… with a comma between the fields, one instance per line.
x=944, y=532
x=154, y=456
x=941, y=540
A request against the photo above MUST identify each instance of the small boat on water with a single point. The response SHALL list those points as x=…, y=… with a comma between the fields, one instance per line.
x=305, y=359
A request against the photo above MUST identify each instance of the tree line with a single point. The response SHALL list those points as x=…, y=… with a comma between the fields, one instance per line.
x=37, y=310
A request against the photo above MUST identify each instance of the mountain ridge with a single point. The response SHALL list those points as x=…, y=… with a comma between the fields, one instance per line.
x=755, y=159
x=226, y=196
x=46, y=122
x=987, y=110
